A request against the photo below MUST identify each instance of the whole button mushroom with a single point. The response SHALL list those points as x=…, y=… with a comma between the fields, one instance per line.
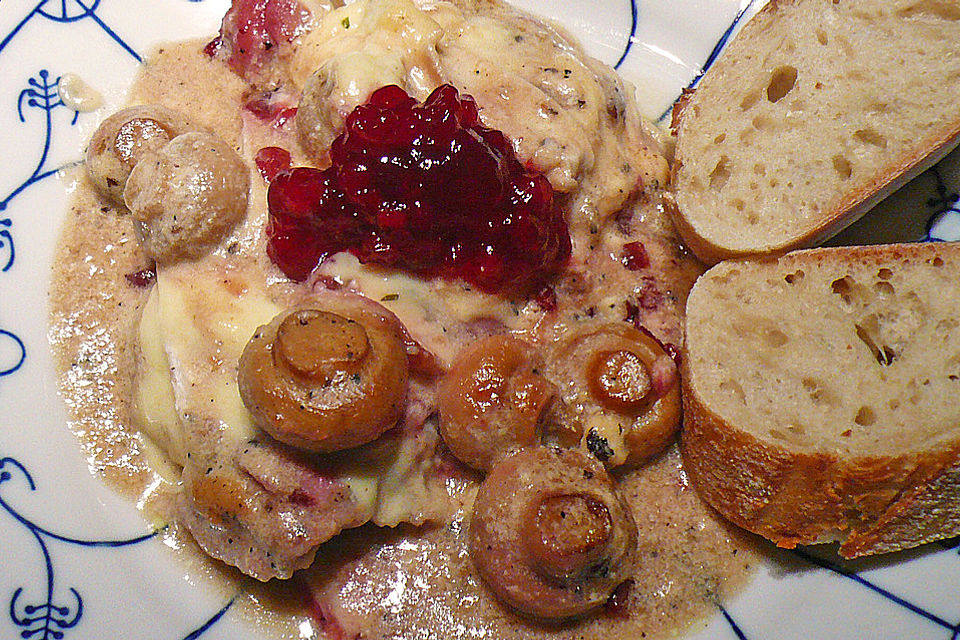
x=335, y=88
x=550, y=535
x=123, y=139
x=327, y=378
x=187, y=196
x=492, y=401
x=622, y=388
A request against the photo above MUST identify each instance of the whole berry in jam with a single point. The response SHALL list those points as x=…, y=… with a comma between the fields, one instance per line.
x=271, y=161
x=425, y=188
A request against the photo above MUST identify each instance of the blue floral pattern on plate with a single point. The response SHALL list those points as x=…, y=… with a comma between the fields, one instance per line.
x=54, y=612
x=48, y=618
x=38, y=605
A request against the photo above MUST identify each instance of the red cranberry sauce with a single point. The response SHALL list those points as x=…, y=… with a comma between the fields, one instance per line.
x=270, y=107
x=142, y=278
x=634, y=256
x=271, y=161
x=424, y=188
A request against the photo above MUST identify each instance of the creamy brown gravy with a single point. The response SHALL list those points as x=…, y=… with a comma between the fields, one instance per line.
x=688, y=562
x=402, y=583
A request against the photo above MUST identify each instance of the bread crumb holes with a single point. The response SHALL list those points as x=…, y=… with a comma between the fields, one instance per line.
x=720, y=174
x=775, y=338
x=732, y=388
x=843, y=288
x=870, y=137
x=865, y=417
x=792, y=433
x=931, y=10
x=946, y=325
x=817, y=393
x=848, y=50
x=794, y=278
x=884, y=288
x=842, y=166
x=782, y=81
x=749, y=100
x=761, y=122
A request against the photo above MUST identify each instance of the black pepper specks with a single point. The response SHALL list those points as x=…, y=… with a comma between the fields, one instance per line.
x=598, y=446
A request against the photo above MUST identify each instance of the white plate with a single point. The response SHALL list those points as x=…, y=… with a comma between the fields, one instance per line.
x=73, y=559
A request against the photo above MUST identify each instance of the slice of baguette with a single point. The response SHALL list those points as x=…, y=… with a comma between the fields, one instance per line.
x=820, y=395
x=816, y=110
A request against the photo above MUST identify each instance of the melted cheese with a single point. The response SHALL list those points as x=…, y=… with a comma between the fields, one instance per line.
x=394, y=26
x=409, y=490
x=398, y=483
x=206, y=316
x=429, y=309
x=192, y=333
x=154, y=408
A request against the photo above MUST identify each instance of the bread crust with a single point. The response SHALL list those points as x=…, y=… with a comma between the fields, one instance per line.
x=850, y=209
x=690, y=216
x=794, y=495
x=869, y=505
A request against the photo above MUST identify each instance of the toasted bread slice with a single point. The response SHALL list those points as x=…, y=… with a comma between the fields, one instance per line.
x=816, y=110
x=820, y=395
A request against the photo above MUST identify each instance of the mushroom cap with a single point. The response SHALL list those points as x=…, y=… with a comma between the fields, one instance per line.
x=622, y=390
x=492, y=401
x=123, y=139
x=549, y=533
x=326, y=378
x=187, y=196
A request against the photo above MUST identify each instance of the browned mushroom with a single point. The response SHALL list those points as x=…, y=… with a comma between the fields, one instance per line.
x=335, y=88
x=492, y=401
x=187, y=196
x=623, y=390
x=550, y=535
x=123, y=138
x=327, y=378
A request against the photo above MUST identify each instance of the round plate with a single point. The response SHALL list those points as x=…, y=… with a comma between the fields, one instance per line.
x=79, y=562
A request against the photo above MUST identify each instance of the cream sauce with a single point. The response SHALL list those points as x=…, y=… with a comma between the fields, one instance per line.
x=408, y=582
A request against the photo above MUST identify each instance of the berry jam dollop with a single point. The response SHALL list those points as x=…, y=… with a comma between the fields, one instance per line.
x=424, y=188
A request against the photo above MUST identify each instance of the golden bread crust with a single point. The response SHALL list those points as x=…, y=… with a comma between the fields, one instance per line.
x=873, y=497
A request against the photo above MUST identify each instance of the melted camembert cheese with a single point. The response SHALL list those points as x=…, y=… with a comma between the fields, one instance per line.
x=195, y=324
